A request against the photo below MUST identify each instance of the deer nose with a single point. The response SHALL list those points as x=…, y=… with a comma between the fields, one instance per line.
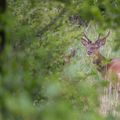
x=89, y=52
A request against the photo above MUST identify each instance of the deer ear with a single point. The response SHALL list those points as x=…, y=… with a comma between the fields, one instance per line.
x=84, y=42
x=100, y=42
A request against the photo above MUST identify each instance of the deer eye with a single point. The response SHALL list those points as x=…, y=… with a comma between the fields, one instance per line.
x=90, y=42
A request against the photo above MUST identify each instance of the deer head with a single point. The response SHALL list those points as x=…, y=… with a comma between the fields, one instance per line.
x=67, y=57
x=93, y=47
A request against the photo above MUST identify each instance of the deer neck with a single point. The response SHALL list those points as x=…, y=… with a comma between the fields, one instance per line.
x=100, y=61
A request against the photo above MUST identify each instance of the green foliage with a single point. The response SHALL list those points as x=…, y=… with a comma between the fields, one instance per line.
x=35, y=81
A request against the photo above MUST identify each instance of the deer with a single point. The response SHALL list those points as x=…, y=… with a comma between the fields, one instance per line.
x=69, y=56
x=108, y=68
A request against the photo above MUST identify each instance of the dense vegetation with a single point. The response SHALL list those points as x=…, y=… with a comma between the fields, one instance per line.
x=39, y=78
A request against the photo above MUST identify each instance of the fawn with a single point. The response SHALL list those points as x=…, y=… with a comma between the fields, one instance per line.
x=68, y=57
x=109, y=69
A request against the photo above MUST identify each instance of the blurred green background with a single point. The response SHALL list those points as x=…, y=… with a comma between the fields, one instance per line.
x=36, y=82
